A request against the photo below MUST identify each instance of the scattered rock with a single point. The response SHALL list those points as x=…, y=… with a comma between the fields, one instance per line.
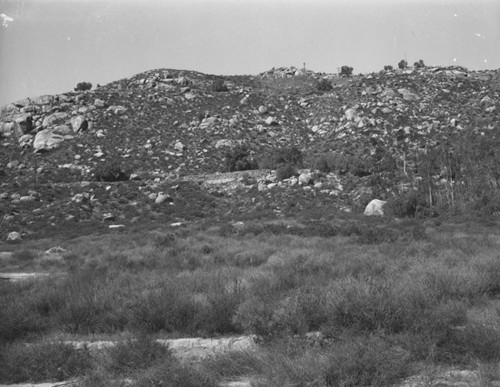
x=51, y=138
x=79, y=124
x=305, y=178
x=14, y=237
x=375, y=208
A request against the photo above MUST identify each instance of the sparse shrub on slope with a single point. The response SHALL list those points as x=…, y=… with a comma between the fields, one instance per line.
x=111, y=171
x=341, y=164
x=282, y=156
x=286, y=171
x=82, y=86
x=238, y=159
x=324, y=85
x=219, y=86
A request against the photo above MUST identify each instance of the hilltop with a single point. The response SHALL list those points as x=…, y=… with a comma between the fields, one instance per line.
x=152, y=146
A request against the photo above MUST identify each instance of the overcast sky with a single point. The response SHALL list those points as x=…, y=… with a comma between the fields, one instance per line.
x=48, y=46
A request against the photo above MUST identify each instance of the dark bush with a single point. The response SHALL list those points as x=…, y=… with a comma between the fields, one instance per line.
x=419, y=65
x=286, y=171
x=82, y=86
x=283, y=156
x=133, y=355
x=388, y=68
x=341, y=164
x=238, y=159
x=331, y=162
x=324, y=85
x=408, y=205
x=219, y=86
x=39, y=363
x=368, y=361
x=402, y=64
x=112, y=171
x=346, y=71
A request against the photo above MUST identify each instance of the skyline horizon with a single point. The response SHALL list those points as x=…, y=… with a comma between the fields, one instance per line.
x=48, y=46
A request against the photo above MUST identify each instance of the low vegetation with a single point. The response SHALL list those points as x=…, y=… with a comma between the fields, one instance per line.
x=383, y=297
x=82, y=86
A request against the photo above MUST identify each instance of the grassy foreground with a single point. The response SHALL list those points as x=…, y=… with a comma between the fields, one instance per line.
x=386, y=300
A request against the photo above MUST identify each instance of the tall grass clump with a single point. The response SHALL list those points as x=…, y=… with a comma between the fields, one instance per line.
x=147, y=363
x=19, y=320
x=43, y=362
x=193, y=305
x=367, y=361
x=87, y=301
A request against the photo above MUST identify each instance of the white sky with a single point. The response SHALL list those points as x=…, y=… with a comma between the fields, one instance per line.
x=51, y=45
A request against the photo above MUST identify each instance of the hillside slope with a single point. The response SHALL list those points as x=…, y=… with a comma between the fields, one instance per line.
x=109, y=154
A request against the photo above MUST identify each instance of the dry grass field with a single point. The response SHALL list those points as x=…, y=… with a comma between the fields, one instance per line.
x=369, y=303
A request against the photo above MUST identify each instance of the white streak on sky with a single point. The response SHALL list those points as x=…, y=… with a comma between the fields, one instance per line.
x=6, y=19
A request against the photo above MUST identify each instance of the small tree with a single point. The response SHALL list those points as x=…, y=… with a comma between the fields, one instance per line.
x=82, y=86
x=403, y=64
x=419, y=65
x=388, y=68
x=346, y=71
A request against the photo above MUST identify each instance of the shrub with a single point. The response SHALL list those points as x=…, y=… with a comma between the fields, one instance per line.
x=408, y=205
x=24, y=255
x=286, y=171
x=169, y=308
x=402, y=64
x=175, y=373
x=388, y=68
x=346, y=71
x=219, y=86
x=86, y=301
x=367, y=362
x=42, y=362
x=472, y=342
x=332, y=162
x=282, y=156
x=111, y=171
x=420, y=64
x=136, y=354
x=82, y=86
x=238, y=159
x=18, y=319
x=324, y=85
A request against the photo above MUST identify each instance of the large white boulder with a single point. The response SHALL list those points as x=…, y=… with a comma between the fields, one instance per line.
x=51, y=138
x=375, y=208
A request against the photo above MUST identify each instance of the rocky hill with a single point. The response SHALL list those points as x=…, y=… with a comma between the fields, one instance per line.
x=153, y=147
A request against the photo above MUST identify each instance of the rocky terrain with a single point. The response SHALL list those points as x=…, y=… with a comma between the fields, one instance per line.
x=151, y=146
